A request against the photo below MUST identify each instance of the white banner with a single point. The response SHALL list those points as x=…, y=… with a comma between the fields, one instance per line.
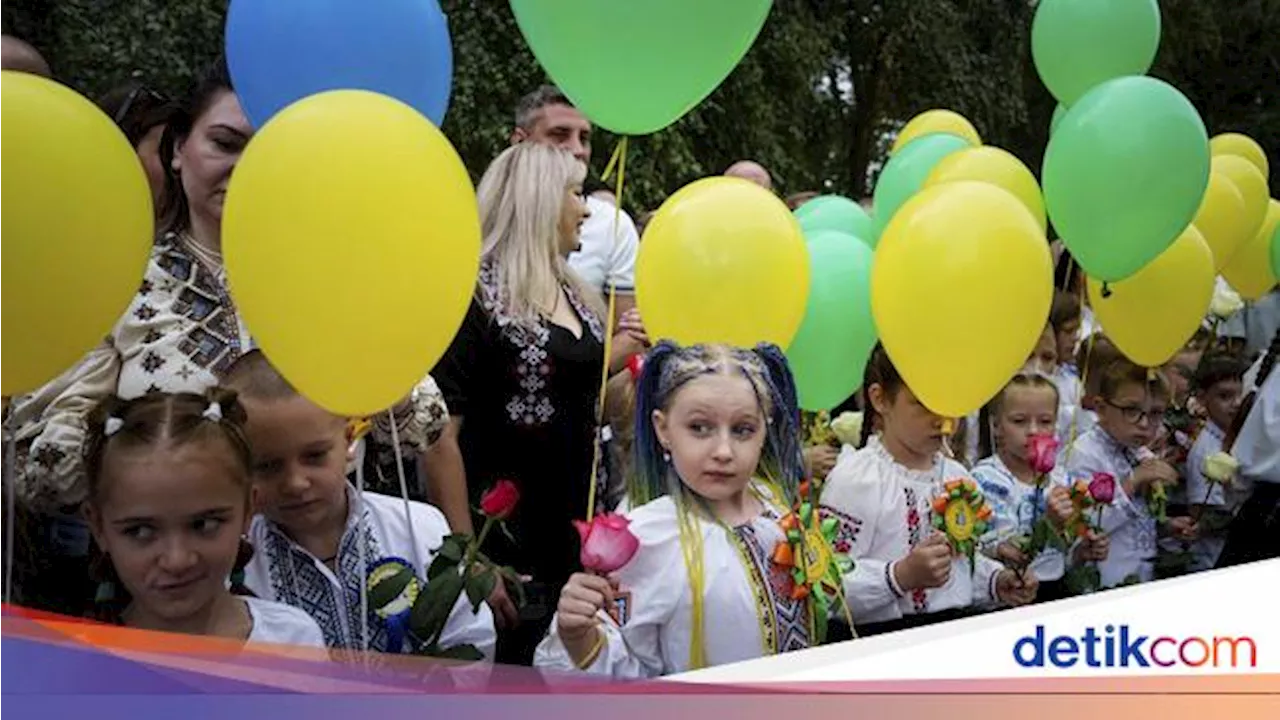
x=1217, y=622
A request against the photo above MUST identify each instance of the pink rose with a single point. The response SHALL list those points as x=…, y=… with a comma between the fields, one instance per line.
x=1042, y=453
x=607, y=544
x=1102, y=488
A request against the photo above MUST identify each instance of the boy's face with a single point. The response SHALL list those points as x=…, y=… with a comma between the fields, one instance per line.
x=1222, y=401
x=299, y=463
x=1132, y=415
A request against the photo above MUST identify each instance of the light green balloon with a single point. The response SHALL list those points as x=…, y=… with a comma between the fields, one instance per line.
x=1078, y=44
x=1124, y=174
x=832, y=212
x=907, y=170
x=1275, y=253
x=1058, y=113
x=837, y=335
x=636, y=67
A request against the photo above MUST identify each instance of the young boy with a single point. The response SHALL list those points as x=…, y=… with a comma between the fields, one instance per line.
x=1130, y=405
x=316, y=535
x=1218, y=389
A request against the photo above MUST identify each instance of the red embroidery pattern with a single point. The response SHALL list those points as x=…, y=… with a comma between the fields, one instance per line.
x=918, y=599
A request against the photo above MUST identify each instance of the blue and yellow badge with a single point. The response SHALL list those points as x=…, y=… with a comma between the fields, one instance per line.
x=393, y=588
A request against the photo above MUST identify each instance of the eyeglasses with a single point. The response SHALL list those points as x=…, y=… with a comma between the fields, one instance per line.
x=152, y=95
x=1134, y=414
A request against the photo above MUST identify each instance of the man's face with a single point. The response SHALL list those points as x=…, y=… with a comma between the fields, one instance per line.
x=559, y=126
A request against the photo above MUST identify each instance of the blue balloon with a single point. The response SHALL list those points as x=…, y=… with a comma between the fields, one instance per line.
x=280, y=51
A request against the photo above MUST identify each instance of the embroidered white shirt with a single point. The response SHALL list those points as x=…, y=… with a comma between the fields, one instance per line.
x=883, y=511
x=658, y=630
x=1016, y=507
x=281, y=570
x=1126, y=521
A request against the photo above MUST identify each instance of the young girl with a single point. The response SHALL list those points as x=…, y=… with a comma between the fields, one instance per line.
x=1027, y=408
x=1130, y=406
x=169, y=483
x=717, y=465
x=906, y=574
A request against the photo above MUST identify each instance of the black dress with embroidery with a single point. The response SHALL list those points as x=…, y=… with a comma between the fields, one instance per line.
x=528, y=403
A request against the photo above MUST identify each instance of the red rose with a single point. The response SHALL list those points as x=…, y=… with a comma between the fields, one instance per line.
x=1042, y=453
x=1102, y=488
x=500, y=500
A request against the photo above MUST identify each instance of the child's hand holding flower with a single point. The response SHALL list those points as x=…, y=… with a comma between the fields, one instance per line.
x=1059, y=506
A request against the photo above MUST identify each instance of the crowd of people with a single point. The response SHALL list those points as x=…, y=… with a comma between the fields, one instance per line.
x=173, y=479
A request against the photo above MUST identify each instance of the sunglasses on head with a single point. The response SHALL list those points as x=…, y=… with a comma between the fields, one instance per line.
x=132, y=98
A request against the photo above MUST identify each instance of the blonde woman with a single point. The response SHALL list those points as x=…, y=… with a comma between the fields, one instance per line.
x=523, y=376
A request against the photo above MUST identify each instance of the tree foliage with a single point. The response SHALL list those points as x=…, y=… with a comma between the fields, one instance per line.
x=816, y=100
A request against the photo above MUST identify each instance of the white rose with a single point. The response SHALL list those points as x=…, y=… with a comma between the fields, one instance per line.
x=1220, y=468
x=848, y=428
x=1225, y=303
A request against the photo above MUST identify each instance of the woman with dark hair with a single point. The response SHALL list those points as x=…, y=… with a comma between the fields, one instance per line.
x=142, y=114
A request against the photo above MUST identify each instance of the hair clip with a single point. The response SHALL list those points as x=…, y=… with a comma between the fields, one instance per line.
x=213, y=412
x=112, y=426
x=635, y=365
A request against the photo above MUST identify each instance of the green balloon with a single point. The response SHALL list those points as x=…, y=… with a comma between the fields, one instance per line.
x=832, y=212
x=1078, y=44
x=1058, y=113
x=906, y=171
x=1124, y=174
x=636, y=67
x=1275, y=253
x=837, y=335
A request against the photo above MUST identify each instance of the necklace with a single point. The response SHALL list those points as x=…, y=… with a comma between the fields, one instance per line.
x=210, y=258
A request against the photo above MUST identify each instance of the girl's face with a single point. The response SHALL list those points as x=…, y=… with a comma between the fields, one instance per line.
x=1044, y=359
x=1066, y=338
x=207, y=156
x=1025, y=410
x=906, y=421
x=715, y=431
x=171, y=519
x=1132, y=415
x=573, y=211
x=1222, y=401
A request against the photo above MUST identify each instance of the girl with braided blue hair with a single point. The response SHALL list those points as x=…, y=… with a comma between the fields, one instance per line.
x=717, y=471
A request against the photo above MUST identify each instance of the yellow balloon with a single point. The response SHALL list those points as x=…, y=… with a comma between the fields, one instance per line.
x=960, y=290
x=723, y=261
x=936, y=121
x=1221, y=218
x=1151, y=314
x=998, y=167
x=77, y=228
x=1252, y=185
x=1242, y=146
x=1249, y=272
x=352, y=243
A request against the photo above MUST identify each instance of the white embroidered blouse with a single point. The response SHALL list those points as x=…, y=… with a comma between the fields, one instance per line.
x=883, y=511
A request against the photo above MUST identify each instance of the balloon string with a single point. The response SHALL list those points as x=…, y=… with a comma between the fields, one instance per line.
x=618, y=160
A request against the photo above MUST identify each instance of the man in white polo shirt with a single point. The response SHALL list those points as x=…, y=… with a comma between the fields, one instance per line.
x=607, y=256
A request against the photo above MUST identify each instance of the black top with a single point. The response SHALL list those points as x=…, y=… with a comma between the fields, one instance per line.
x=528, y=404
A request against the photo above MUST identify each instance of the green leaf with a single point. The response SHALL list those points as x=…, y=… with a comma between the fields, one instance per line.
x=441, y=565
x=434, y=605
x=480, y=586
x=453, y=548
x=389, y=589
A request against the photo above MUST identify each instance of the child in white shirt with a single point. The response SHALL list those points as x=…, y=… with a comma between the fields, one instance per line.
x=1018, y=424
x=906, y=573
x=717, y=467
x=317, y=536
x=1218, y=389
